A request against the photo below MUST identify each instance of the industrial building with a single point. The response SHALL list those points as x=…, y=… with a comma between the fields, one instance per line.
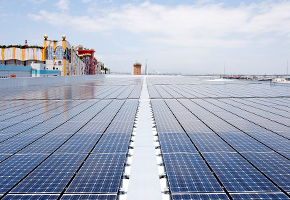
x=60, y=55
x=54, y=58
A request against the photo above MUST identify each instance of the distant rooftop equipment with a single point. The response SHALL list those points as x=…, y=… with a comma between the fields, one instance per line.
x=137, y=68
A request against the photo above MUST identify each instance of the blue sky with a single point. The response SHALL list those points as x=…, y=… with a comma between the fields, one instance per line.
x=185, y=36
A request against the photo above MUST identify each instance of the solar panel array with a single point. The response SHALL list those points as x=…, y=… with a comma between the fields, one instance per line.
x=223, y=139
x=66, y=141
x=219, y=140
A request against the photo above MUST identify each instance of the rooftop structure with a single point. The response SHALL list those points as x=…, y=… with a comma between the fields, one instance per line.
x=87, y=56
x=187, y=137
x=60, y=55
x=137, y=68
x=55, y=55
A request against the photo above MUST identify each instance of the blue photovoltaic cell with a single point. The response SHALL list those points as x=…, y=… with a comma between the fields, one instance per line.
x=274, y=196
x=6, y=136
x=79, y=143
x=136, y=92
x=243, y=142
x=42, y=128
x=30, y=197
x=15, y=168
x=68, y=127
x=18, y=142
x=189, y=173
x=46, y=144
x=95, y=127
x=101, y=173
x=113, y=143
x=89, y=197
x=274, y=166
x=17, y=127
x=209, y=142
x=121, y=127
x=162, y=92
x=218, y=196
x=52, y=175
x=175, y=142
x=195, y=126
x=126, y=93
x=2, y=157
x=165, y=121
x=5, y=124
x=236, y=174
x=286, y=154
x=168, y=126
x=273, y=140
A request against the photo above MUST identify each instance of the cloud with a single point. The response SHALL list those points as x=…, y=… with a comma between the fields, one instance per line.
x=185, y=25
x=38, y=1
x=63, y=5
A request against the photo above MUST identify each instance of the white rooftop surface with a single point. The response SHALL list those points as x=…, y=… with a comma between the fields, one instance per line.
x=144, y=181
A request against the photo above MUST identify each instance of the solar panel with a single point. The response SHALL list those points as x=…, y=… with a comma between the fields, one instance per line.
x=209, y=142
x=2, y=157
x=30, y=197
x=136, y=92
x=121, y=127
x=17, y=128
x=6, y=136
x=79, y=143
x=243, y=142
x=46, y=144
x=69, y=127
x=162, y=92
x=276, y=196
x=89, y=197
x=52, y=175
x=194, y=126
x=18, y=142
x=126, y=93
x=218, y=196
x=94, y=127
x=153, y=92
x=236, y=174
x=15, y=168
x=113, y=143
x=175, y=142
x=101, y=173
x=165, y=121
x=189, y=173
x=274, y=166
x=286, y=154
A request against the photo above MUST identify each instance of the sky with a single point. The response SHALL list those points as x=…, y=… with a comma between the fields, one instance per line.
x=174, y=36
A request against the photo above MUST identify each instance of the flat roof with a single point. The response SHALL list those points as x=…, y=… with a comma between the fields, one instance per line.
x=187, y=137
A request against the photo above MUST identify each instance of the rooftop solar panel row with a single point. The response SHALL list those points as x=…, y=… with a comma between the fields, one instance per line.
x=62, y=144
x=226, y=141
